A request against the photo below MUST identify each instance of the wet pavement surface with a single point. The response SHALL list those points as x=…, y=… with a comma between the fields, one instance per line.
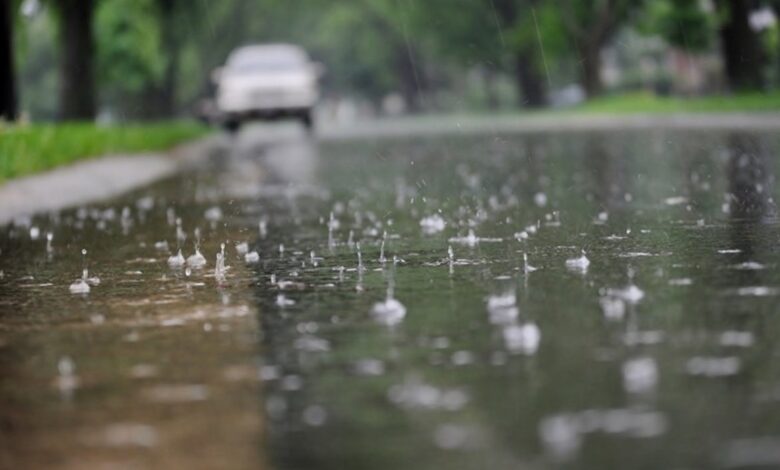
x=545, y=300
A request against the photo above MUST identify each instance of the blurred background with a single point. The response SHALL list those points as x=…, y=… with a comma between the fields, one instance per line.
x=121, y=60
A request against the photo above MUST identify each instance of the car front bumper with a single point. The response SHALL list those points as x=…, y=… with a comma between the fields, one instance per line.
x=266, y=102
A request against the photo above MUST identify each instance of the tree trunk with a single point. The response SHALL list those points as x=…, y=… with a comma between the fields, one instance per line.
x=590, y=57
x=529, y=81
x=491, y=94
x=411, y=78
x=743, y=56
x=776, y=10
x=77, y=84
x=170, y=44
x=8, y=108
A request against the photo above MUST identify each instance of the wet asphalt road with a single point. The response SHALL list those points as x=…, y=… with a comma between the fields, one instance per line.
x=417, y=301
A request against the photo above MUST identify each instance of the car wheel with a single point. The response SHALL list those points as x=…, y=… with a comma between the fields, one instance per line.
x=307, y=120
x=232, y=125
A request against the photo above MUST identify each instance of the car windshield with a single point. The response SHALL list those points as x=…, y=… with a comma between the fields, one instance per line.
x=250, y=61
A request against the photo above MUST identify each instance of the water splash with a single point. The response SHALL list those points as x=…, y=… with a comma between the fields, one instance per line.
x=177, y=260
x=67, y=380
x=282, y=301
x=522, y=339
x=262, y=227
x=126, y=220
x=197, y=260
x=562, y=434
x=252, y=257
x=631, y=293
x=382, y=258
x=415, y=394
x=578, y=264
x=83, y=285
x=391, y=311
x=527, y=268
x=613, y=308
x=333, y=225
x=79, y=286
x=219, y=268
x=640, y=375
x=181, y=237
x=432, y=224
x=472, y=240
x=502, y=309
x=213, y=214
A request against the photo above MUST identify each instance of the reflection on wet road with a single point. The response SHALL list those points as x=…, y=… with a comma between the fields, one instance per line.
x=580, y=300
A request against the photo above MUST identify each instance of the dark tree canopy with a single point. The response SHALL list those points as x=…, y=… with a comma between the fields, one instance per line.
x=151, y=59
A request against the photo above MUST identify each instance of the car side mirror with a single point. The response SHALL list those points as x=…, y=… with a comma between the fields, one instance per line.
x=216, y=75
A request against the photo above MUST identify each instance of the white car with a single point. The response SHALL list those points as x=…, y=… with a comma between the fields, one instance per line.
x=270, y=81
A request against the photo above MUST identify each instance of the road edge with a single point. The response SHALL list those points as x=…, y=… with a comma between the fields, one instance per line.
x=97, y=179
x=543, y=123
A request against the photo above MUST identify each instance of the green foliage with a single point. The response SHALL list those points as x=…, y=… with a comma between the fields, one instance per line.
x=366, y=45
x=365, y=64
x=35, y=58
x=649, y=103
x=683, y=23
x=129, y=53
x=30, y=149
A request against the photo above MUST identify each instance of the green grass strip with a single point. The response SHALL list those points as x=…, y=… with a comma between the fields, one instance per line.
x=27, y=149
x=650, y=103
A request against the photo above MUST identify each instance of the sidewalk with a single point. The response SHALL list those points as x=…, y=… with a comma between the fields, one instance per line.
x=95, y=179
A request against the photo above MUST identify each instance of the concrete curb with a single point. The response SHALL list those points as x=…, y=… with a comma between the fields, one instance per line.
x=95, y=179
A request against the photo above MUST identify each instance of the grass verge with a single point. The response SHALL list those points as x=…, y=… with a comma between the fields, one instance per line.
x=27, y=149
x=650, y=103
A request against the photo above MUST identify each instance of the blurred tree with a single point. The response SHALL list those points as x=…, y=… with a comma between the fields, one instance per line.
x=210, y=30
x=471, y=38
x=373, y=46
x=394, y=20
x=77, y=83
x=775, y=6
x=130, y=57
x=682, y=23
x=170, y=46
x=8, y=108
x=36, y=51
x=518, y=23
x=589, y=25
x=742, y=51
